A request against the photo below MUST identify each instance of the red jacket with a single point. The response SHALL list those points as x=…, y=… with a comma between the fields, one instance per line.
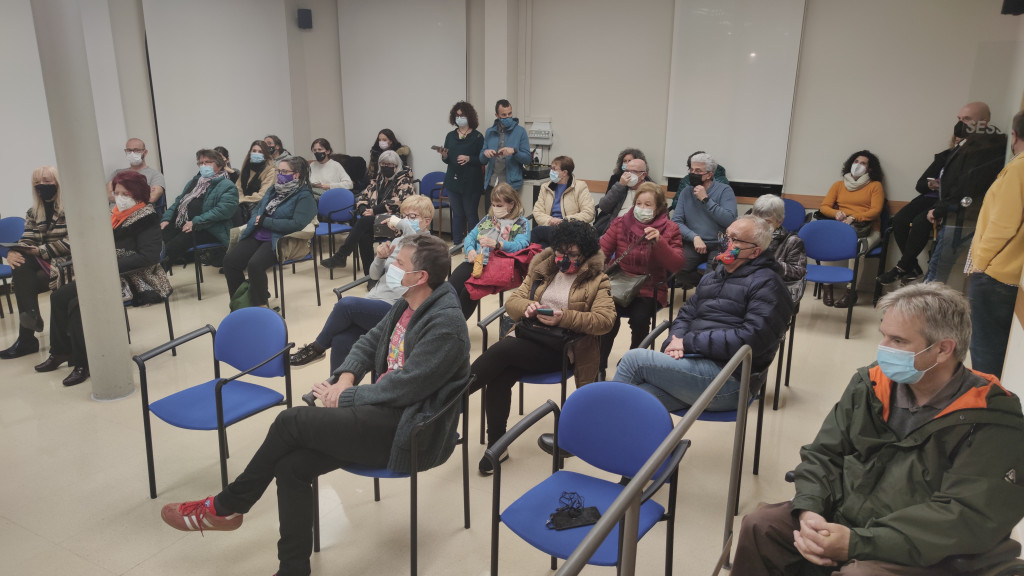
x=660, y=260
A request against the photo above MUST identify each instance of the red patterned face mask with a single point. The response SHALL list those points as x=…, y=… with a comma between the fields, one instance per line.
x=567, y=265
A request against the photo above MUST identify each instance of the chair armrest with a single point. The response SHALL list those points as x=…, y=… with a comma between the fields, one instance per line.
x=648, y=342
x=486, y=321
x=457, y=399
x=493, y=453
x=221, y=382
x=667, y=470
x=346, y=287
x=141, y=359
x=330, y=215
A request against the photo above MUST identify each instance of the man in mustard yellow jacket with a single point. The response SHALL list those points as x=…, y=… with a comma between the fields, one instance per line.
x=996, y=259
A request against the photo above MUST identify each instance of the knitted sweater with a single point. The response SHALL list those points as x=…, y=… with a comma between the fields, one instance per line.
x=998, y=246
x=865, y=205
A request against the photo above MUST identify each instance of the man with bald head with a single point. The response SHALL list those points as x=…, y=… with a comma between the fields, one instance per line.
x=969, y=171
x=619, y=198
x=135, y=151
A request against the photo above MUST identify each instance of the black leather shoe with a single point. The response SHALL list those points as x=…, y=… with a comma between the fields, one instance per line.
x=336, y=261
x=78, y=375
x=23, y=346
x=307, y=354
x=847, y=301
x=485, y=465
x=547, y=444
x=31, y=320
x=52, y=363
x=826, y=295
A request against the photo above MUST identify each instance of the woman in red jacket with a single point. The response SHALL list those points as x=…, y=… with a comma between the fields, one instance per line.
x=655, y=248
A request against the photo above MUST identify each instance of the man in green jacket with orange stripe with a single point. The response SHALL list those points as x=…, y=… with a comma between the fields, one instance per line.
x=921, y=459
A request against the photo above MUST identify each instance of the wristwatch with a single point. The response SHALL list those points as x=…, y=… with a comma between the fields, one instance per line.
x=704, y=200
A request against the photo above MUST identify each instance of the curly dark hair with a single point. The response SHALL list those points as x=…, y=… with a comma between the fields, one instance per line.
x=635, y=153
x=576, y=233
x=874, y=166
x=467, y=110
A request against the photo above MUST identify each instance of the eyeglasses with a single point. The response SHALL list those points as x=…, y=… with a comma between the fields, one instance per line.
x=697, y=171
x=637, y=172
x=286, y=172
x=206, y=163
x=136, y=150
x=724, y=239
x=411, y=216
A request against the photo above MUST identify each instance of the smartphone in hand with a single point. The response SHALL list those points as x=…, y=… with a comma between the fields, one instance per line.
x=544, y=312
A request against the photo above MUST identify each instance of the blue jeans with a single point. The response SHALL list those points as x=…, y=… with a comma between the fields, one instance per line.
x=991, y=316
x=350, y=319
x=951, y=242
x=677, y=383
x=464, y=213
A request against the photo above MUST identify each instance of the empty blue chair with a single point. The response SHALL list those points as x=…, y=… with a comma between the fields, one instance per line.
x=335, y=216
x=197, y=250
x=280, y=266
x=795, y=215
x=432, y=185
x=612, y=426
x=251, y=340
x=11, y=230
x=830, y=241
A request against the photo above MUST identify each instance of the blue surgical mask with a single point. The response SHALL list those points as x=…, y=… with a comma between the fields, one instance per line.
x=554, y=176
x=256, y=157
x=508, y=123
x=206, y=171
x=414, y=223
x=461, y=121
x=393, y=278
x=623, y=166
x=898, y=365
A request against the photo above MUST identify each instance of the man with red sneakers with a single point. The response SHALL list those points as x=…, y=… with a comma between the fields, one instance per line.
x=421, y=350
x=919, y=460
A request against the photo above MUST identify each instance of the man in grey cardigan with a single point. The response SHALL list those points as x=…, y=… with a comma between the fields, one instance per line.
x=705, y=207
x=421, y=352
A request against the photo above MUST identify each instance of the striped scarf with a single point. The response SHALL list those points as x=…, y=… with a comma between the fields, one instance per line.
x=202, y=185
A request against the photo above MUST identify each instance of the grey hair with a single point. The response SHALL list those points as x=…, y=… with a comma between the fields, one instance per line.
x=710, y=164
x=762, y=231
x=770, y=207
x=944, y=311
x=392, y=157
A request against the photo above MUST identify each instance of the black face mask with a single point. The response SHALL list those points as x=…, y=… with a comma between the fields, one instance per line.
x=271, y=149
x=387, y=171
x=46, y=191
x=960, y=129
x=696, y=179
x=320, y=156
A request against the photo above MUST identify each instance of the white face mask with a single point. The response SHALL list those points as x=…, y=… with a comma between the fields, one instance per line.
x=643, y=214
x=633, y=180
x=382, y=144
x=134, y=158
x=393, y=278
x=857, y=170
x=499, y=211
x=124, y=202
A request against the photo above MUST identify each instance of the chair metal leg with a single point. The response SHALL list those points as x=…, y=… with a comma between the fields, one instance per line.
x=521, y=386
x=316, y=514
x=223, y=442
x=757, y=435
x=413, y=519
x=465, y=461
x=199, y=274
x=316, y=277
x=148, y=432
x=789, y=354
x=10, y=308
x=281, y=268
x=170, y=324
x=778, y=373
x=483, y=414
x=128, y=324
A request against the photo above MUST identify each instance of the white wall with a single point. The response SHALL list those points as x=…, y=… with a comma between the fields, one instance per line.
x=408, y=85
x=28, y=142
x=220, y=78
x=890, y=77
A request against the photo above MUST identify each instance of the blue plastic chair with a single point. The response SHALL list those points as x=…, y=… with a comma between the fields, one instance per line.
x=881, y=252
x=280, y=265
x=432, y=185
x=335, y=216
x=461, y=400
x=196, y=250
x=830, y=241
x=795, y=215
x=612, y=426
x=251, y=340
x=11, y=230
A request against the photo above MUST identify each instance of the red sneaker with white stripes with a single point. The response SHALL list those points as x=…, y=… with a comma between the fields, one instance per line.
x=198, y=515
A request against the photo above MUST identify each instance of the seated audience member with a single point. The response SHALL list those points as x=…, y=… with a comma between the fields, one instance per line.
x=787, y=248
x=704, y=209
x=503, y=229
x=563, y=198
x=232, y=173
x=325, y=173
x=258, y=174
x=352, y=317
x=287, y=207
x=421, y=352
x=719, y=176
x=568, y=280
x=910, y=226
x=386, y=140
x=464, y=177
x=742, y=301
x=651, y=244
x=36, y=261
x=857, y=200
x=203, y=211
x=137, y=243
x=135, y=151
x=620, y=167
x=965, y=179
x=276, y=150
x=917, y=462
x=392, y=185
x=618, y=200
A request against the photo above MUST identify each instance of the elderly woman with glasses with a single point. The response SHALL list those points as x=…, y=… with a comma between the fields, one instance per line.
x=202, y=213
x=384, y=195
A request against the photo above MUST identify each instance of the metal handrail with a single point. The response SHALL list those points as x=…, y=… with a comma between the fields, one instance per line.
x=626, y=507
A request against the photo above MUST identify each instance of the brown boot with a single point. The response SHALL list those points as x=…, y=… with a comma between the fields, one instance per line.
x=826, y=295
x=848, y=299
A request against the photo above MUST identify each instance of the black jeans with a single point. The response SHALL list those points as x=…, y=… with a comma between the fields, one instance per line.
x=67, y=337
x=689, y=276
x=29, y=280
x=992, y=305
x=640, y=312
x=252, y=256
x=178, y=243
x=458, y=279
x=912, y=230
x=303, y=443
x=500, y=367
x=361, y=237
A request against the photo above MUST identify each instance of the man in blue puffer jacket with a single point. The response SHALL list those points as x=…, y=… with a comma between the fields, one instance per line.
x=506, y=149
x=743, y=301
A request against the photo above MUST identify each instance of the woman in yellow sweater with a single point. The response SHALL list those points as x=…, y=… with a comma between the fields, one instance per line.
x=857, y=200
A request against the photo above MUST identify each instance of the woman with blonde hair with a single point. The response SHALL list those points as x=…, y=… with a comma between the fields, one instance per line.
x=37, y=258
x=503, y=229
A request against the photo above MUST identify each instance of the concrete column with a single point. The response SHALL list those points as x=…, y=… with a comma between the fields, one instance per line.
x=69, y=99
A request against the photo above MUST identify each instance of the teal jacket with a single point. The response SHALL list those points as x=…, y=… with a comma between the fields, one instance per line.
x=219, y=204
x=953, y=486
x=291, y=216
x=517, y=139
